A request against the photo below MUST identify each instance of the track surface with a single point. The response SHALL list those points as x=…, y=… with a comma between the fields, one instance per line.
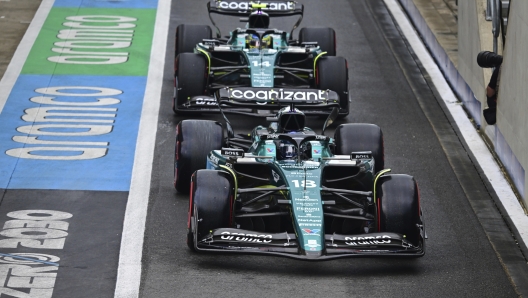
x=388, y=89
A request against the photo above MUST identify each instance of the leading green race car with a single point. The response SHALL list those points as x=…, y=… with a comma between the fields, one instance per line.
x=286, y=190
x=258, y=58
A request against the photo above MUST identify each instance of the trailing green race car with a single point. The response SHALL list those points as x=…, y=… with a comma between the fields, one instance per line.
x=260, y=59
x=285, y=190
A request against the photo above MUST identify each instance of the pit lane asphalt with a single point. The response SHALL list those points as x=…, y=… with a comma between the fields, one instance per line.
x=459, y=260
x=388, y=89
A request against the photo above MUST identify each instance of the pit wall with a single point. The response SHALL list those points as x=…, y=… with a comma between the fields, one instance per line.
x=509, y=137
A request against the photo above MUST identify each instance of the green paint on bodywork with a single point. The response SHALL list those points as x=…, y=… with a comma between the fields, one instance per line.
x=307, y=208
x=138, y=52
x=262, y=65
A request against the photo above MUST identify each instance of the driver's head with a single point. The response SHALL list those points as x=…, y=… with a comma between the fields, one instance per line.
x=287, y=150
x=252, y=42
x=267, y=42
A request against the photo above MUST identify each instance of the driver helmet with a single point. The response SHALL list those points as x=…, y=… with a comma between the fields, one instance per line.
x=252, y=42
x=287, y=150
x=267, y=41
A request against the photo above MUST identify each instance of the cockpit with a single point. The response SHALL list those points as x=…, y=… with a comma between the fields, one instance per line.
x=256, y=43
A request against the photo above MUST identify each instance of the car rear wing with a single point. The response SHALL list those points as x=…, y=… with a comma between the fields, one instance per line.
x=244, y=8
x=240, y=8
x=232, y=100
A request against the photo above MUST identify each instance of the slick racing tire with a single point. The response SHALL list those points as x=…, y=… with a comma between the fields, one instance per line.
x=325, y=37
x=399, y=211
x=188, y=36
x=211, y=198
x=332, y=74
x=190, y=78
x=354, y=137
x=194, y=140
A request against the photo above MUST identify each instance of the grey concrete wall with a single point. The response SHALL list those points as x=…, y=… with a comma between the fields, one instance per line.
x=469, y=81
x=471, y=26
x=512, y=120
x=508, y=136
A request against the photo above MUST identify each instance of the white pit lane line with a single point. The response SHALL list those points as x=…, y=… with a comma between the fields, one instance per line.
x=129, y=270
x=474, y=141
x=22, y=52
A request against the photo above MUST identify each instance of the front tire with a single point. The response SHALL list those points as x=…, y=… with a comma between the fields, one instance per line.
x=188, y=36
x=190, y=79
x=194, y=140
x=212, y=198
x=332, y=74
x=325, y=38
x=398, y=202
x=355, y=137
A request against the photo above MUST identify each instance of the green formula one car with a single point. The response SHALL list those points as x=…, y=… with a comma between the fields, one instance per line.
x=286, y=190
x=258, y=58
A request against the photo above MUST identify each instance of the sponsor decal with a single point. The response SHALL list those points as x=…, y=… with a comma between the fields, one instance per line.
x=276, y=176
x=368, y=240
x=312, y=243
x=361, y=156
x=87, y=43
x=41, y=229
x=309, y=225
x=254, y=238
x=321, y=137
x=281, y=94
x=32, y=274
x=243, y=6
x=262, y=79
x=312, y=232
x=308, y=209
x=233, y=152
x=317, y=151
x=28, y=274
x=311, y=219
x=307, y=204
x=65, y=119
x=305, y=199
x=270, y=150
x=213, y=159
x=205, y=101
x=297, y=166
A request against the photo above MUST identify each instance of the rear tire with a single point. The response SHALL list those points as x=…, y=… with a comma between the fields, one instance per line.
x=211, y=196
x=190, y=78
x=354, y=137
x=194, y=140
x=188, y=36
x=399, y=205
x=325, y=37
x=332, y=74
